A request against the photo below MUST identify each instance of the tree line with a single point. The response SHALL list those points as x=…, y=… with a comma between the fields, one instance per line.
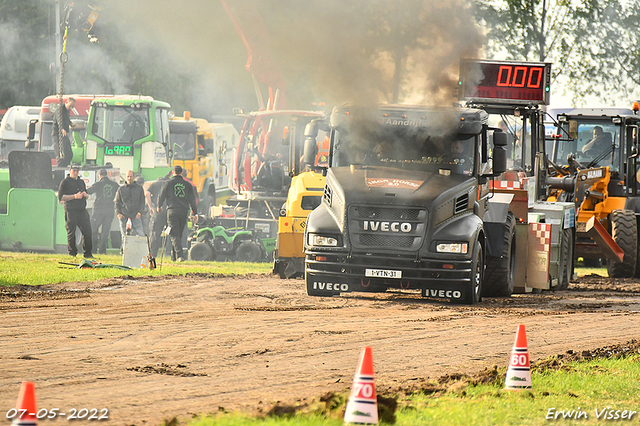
x=190, y=55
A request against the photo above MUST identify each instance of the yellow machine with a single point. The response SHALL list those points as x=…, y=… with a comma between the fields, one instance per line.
x=204, y=149
x=594, y=163
x=305, y=194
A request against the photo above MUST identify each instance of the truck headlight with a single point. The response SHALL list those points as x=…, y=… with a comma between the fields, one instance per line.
x=458, y=248
x=322, y=241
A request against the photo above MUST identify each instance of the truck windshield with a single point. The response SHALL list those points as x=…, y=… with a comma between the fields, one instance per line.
x=594, y=142
x=183, y=140
x=121, y=123
x=406, y=148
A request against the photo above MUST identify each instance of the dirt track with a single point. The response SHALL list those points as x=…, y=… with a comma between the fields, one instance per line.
x=151, y=349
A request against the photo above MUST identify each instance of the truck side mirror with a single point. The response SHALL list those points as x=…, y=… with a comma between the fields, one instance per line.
x=499, y=153
x=310, y=151
x=310, y=146
x=30, y=143
x=31, y=130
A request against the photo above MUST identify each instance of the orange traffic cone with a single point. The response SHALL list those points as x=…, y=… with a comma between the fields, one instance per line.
x=26, y=406
x=362, y=407
x=519, y=371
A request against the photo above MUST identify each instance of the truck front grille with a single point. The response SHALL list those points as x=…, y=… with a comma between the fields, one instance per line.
x=369, y=240
x=379, y=227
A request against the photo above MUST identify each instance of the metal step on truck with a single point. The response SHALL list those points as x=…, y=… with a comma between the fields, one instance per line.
x=411, y=202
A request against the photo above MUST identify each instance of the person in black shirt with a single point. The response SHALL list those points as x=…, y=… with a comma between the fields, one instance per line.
x=73, y=193
x=130, y=205
x=103, y=210
x=158, y=220
x=179, y=196
x=60, y=135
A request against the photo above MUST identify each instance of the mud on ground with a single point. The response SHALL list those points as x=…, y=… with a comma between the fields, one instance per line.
x=151, y=349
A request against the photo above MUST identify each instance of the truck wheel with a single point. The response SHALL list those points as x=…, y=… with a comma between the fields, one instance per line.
x=248, y=251
x=208, y=202
x=501, y=271
x=637, y=274
x=474, y=293
x=623, y=232
x=201, y=252
x=566, y=261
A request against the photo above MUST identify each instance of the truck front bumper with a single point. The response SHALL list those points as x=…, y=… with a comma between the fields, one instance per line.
x=331, y=274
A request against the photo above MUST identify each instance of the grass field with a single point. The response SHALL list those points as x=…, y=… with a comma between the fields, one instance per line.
x=42, y=269
x=599, y=391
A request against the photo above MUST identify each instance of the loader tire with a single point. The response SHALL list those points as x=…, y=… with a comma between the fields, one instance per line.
x=499, y=277
x=565, y=268
x=624, y=233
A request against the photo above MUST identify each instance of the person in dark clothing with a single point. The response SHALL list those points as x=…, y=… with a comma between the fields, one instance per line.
x=158, y=220
x=103, y=210
x=60, y=135
x=73, y=193
x=130, y=205
x=146, y=216
x=179, y=196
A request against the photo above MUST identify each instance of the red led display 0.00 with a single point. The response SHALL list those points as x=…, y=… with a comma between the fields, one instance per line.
x=505, y=82
x=518, y=76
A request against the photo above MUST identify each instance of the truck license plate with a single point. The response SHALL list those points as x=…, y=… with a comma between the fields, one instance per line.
x=382, y=273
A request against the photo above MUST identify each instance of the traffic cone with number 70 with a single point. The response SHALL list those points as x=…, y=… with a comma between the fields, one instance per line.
x=519, y=371
x=26, y=411
x=362, y=407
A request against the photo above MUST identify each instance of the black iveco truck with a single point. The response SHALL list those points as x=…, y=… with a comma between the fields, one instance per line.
x=407, y=203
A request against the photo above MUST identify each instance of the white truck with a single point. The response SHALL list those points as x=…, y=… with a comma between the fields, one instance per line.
x=14, y=127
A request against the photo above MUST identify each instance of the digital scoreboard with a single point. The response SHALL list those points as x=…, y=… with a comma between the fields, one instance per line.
x=505, y=82
x=118, y=149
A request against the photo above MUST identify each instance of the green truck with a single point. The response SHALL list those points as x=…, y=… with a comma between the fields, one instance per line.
x=120, y=133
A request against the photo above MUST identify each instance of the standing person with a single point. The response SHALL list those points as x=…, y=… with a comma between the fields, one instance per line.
x=73, y=193
x=158, y=220
x=60, y=135
x=130, y=205
x=103, y=210
x=179, y=196
x=146, y=216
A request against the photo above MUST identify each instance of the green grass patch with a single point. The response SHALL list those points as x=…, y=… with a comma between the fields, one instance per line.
x=42, y=269
x=581, y=270
x=563, y=393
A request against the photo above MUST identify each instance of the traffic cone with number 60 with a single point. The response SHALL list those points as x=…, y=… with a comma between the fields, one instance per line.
x=362, y=407
x=26, y=410
x=519, y=371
